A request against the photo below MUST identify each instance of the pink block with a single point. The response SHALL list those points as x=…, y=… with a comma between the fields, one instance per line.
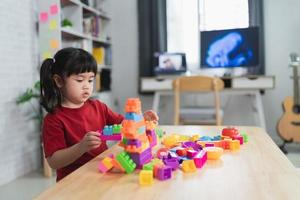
x=102, y=167
x=191, y=153
x=200, y=159
x=43, y=17
x=53, y=9
x=114, y=137
x=240, y=138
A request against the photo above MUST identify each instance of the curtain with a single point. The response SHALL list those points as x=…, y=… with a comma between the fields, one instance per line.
x=152, y=33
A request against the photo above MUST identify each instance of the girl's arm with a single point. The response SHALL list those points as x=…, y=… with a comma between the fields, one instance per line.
x=64, y=157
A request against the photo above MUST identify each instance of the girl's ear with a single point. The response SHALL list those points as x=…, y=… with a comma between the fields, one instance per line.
x=58, y=80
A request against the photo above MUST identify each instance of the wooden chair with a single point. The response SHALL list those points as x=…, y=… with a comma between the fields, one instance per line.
x=197, y=84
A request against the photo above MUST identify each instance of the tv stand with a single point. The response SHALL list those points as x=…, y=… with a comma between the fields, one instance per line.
x=242, y=85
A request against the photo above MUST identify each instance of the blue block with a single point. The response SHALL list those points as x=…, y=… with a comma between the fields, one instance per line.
x=108, y=130
x=205, y=138
x=133, y=116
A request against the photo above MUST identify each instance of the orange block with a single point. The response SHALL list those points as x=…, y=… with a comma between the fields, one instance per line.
x=188, y=166
x=133, y=105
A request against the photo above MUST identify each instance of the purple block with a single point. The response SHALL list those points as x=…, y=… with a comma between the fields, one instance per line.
x=172, y=162
x=194, y=145
x=136, y=143
x=141, y=158
x=209, y=144
x=115, y=137
x=200, y=159
x=164, y=173
x=152, y=135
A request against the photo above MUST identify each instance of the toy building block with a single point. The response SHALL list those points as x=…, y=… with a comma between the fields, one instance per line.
x=230, y=132
x=148, y=166
x=205, y=138
x=116, y=128
x=126, y=162
x=171, y=162
x=141, y=158
x=245, y=137
x=107, y=130
x=227, y=143
x=146, y=177
x=219, y=143
x=191, y=153
x=133, y=116
x=135, y=142
x=188, y=166
x=181, y=151
x=234, y=145
x=105, y=164
x=114, y=137
x=240, y=138
x=117, y=165
x=162, y=153
x=141, y=130
x=194, y=145
x=164, y=173
x=173, y=155
x=133, y=105
x=213, y=153
x=209, y=144
x=195, y=137
x=216, y=138
x=200, y=159
x=156, y=166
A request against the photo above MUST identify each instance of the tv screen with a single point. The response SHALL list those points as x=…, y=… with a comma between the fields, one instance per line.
x=170, y=63
x=230, y=48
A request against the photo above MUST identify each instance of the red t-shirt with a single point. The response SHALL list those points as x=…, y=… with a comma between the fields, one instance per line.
x=67, y=126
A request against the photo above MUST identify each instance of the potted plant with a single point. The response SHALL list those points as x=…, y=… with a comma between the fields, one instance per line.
x=27, y=97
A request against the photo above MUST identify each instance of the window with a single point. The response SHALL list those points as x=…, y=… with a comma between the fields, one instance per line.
x=186, y=17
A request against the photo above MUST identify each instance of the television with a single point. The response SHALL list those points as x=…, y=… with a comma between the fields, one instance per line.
x=231, y=48
x=167, y=63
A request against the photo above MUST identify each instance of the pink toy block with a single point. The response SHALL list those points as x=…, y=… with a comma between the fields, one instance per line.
x=240, y=138
x=114, y=137
x=105, y=164
x=191, y=153
x=200, y=159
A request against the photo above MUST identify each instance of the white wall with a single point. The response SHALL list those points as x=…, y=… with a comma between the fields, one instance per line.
x=282, y=36
x=19, y=140
x=124, y=50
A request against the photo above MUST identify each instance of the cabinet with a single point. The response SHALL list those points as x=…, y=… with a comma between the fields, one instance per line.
x=82, y=24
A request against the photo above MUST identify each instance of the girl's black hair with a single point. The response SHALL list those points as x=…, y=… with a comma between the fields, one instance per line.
x=66, y=62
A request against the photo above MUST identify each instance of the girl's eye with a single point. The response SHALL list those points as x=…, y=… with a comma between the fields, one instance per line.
x=79, y=80
x=91, y=80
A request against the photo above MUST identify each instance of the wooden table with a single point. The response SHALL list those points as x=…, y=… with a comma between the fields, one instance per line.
x=258, y=171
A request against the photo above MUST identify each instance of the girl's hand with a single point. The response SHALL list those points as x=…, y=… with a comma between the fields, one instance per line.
x=150, y=115
x=90, y=141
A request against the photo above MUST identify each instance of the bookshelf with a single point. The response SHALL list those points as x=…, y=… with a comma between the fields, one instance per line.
x=82, y=24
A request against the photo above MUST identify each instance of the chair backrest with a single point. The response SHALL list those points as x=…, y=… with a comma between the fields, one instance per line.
x=197, y=84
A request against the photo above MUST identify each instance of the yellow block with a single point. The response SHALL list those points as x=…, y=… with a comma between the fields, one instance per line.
x=213, y=153
x=234, y=145
x=188, y=166
x=146, y=177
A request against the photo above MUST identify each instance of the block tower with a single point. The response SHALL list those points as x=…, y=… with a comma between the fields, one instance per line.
x=135, y=139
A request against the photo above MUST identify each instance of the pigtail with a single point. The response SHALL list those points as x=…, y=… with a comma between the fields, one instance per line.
x=50, y=94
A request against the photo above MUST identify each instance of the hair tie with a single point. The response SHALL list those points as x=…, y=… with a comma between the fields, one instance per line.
x=53, y=59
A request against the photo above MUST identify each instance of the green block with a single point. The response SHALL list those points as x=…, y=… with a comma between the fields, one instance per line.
x=245, y=137
x=126, y=162
x=148, y=166
x=159, y=132
x=117, y=128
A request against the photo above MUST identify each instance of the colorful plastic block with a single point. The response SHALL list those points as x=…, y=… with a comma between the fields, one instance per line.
x=107, y=130
x=234, y=145
x=200, y=159
x=188, y=166
x=195, y=137
x=164, y=173
x=171, y=162
x=105, y=164
x=230, y=132
x=181, y=151
x=126, y=162
x=141, y=158
x=146, y=177
x=213, y=153
x=240, y=138
x=133, y=116
x=114, y=137
x=245, y=137
x=191, y=154
x=148, y=166
x=133, y=105
x=162, y=153
x=117, y=128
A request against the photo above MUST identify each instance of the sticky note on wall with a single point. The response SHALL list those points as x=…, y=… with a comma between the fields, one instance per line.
x=43, y=17
x=53, y=24
x=54, y=44
x=53, y=9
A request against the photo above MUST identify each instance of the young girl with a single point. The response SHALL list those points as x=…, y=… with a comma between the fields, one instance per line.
x=70, y=128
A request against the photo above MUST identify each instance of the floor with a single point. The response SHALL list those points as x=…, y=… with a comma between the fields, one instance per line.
x=19, y=189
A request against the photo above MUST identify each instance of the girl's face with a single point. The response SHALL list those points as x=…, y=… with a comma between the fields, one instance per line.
x=77, y=89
